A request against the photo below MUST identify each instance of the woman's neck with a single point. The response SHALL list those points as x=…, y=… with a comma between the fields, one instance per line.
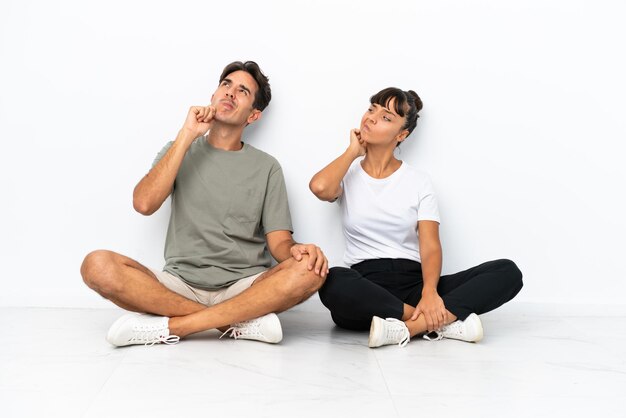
x=380, y=163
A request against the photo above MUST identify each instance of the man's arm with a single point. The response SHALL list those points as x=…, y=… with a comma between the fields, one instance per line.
x=156, y=186
x=282, y=246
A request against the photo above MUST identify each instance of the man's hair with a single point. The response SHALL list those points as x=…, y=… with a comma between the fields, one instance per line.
x=264, y=93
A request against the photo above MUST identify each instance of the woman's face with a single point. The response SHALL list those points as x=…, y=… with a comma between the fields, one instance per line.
x=382, y=125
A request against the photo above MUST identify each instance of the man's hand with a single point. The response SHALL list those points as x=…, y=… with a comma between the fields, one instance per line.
x=317, y=258
x=199, y=120
x=434, y=310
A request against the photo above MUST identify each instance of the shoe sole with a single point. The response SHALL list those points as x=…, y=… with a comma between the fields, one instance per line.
x=478, y=328
x=374, y=331
x=277, y=324
x=116, y=326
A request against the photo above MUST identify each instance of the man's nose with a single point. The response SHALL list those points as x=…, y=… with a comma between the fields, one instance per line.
x=229, y=93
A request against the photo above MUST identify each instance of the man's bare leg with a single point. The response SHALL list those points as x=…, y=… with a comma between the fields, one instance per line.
x=132, y=286
x=279, y=289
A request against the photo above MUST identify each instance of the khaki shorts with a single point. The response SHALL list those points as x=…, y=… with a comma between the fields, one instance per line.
x=205, y=297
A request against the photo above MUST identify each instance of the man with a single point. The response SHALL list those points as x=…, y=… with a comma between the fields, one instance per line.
x=229, y=207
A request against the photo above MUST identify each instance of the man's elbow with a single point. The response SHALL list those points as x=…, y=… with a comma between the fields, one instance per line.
x=143, y=206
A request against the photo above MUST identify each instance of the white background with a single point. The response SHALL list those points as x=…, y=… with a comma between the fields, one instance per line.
x=522, y=129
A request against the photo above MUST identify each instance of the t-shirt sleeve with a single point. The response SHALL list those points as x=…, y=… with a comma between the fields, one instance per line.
x=428, y=210
x=276, y=215
x=162, y=153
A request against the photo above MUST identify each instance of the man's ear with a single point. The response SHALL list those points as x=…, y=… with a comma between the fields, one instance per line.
x=254, y=116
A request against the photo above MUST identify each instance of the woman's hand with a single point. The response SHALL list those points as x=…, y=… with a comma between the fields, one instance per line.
x=357, y=145
x=434, y=310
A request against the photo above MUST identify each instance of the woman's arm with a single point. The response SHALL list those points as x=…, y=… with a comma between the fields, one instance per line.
x=326, y=184
x=431, y=304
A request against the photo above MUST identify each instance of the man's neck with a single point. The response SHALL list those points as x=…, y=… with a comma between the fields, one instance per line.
x=225, y=137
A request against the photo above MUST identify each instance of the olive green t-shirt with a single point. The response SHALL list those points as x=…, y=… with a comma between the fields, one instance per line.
x=223, y=204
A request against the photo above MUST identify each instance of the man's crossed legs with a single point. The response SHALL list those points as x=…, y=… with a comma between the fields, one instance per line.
x=134, y=287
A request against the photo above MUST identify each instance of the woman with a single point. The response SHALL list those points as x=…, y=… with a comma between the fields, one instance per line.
x=391, y=225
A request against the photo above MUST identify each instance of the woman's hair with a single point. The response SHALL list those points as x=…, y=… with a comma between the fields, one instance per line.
x=264, y=93
x=407, y=104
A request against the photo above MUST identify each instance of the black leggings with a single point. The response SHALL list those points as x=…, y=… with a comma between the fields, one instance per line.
x=381, y=287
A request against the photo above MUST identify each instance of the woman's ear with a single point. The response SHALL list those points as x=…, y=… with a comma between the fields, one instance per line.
x=402, y=135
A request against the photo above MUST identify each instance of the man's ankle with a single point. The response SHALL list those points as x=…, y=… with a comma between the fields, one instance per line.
x=176, y=328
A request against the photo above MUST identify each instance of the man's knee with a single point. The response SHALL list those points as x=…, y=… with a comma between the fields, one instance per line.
x=98, y=271
x=302, y=280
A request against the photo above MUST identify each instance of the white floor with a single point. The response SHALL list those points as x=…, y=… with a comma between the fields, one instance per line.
x=535, y=361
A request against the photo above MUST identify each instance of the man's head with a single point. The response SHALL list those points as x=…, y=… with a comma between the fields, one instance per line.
x=242, y=94
x=263, y=93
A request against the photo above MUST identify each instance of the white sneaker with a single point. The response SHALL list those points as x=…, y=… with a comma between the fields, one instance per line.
x=265, y=328
x=135, y=328
x=470, y=330
x=388, y=331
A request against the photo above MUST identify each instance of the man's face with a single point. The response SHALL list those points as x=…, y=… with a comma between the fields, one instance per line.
x=233, y=99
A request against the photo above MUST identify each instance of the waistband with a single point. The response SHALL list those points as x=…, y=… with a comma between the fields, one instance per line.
x=387, y=264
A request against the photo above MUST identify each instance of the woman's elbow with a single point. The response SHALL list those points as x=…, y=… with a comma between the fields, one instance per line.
x=316, y=187
x=320, y=190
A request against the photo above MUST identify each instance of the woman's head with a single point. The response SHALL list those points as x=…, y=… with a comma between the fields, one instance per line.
x=393, y=114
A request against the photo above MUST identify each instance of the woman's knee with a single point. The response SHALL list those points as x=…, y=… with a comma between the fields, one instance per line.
x=336, y=287
x=334, y=280
x=353, y=325
x=511, y=272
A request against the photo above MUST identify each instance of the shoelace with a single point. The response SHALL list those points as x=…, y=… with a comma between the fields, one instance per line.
x=398, y=332
x=243, y=329
x=170, y=340
x=433, y=335
x=153, y=335
x=455, y=327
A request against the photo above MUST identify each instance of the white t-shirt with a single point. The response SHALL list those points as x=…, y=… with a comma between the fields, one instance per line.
x=380, y=215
